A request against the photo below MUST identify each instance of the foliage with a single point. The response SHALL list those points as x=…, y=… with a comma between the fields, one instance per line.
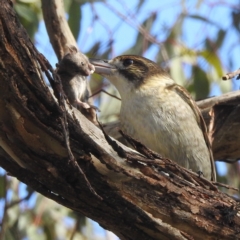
x=192, y=44
x=29, y=12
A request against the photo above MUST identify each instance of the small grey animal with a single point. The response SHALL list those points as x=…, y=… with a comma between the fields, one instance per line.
x=73, y=70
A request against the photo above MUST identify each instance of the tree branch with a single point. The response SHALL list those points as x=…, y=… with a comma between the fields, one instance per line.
x=141, y=198
x=58, y=30
x=232, y=75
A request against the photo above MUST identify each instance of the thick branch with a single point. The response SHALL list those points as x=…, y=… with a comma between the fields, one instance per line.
x=58, y=29
x=141, y=198
x=222, y=117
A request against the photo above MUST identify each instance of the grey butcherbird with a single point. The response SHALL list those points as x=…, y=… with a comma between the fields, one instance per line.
x=159, y=113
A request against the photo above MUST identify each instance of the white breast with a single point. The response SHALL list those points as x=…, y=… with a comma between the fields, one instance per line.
x=167, y=127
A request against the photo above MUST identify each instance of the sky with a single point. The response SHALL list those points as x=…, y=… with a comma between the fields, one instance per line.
x=110, y=24
x=124, y=32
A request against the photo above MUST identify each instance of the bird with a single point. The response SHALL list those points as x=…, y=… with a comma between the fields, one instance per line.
x=158, y=112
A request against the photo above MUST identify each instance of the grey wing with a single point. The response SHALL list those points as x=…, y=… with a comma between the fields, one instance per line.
x=199, y=118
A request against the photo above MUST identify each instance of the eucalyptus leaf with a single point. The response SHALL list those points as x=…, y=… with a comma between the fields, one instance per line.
x=236, y=20
x=25, y=12
x=29, y=15
x=139, y=5
x=75, y=17
x=67, y=4
x=220, y=38
x=2, y=186
x=201, y=83
x=202, y=19
x=213, y=60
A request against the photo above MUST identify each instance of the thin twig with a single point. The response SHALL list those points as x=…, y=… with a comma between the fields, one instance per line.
x=102, y=90
x=225, y=186
x=232, y=75
x=19, y=200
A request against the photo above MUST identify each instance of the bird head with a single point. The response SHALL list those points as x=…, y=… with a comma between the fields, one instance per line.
x=130, y=72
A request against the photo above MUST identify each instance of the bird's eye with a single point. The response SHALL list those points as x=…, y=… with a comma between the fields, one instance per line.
x=127, y=62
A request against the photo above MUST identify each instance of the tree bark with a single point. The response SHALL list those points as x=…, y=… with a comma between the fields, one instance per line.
x=54, y=149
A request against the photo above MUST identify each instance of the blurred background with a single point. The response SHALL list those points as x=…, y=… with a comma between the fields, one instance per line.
x=197, y=41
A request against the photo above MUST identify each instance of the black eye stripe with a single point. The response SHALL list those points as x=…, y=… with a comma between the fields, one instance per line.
x=127, y=62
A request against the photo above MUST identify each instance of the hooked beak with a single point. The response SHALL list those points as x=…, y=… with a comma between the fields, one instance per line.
x=102, y=67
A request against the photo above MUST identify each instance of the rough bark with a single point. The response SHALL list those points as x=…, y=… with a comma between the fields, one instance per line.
x=141, y=196
x=222, y=117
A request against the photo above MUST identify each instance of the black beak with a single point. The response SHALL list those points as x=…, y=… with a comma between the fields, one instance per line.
x=102, y=66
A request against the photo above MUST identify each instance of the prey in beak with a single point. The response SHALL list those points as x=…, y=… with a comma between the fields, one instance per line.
x=102, y=67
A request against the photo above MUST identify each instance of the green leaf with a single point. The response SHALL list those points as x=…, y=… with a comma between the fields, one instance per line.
x=213, y=60
x=139, y=5
x=29, y=15
x=225, y=86
x=75, y=17
x=201, y=83
x=220, y=38
x=67, y=4
x=94, y=50
x=25, y=12
x=201, y=18
x=2, y=186
x=236, y=20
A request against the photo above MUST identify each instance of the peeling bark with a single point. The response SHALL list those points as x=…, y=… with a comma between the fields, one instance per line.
x=142, y=197
x=222, y=115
